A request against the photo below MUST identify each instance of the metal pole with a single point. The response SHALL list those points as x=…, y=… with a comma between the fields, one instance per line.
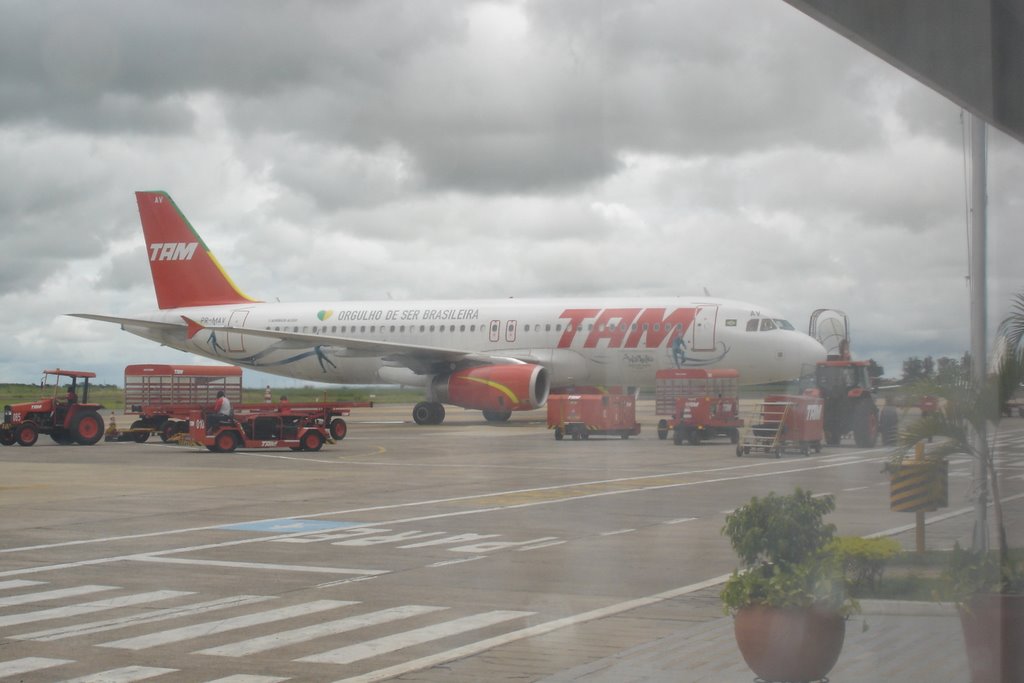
x=979, y=318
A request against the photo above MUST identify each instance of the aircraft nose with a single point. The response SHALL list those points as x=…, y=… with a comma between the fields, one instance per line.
x=810, y=353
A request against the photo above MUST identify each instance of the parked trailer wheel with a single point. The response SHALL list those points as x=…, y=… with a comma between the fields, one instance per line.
x=26, y=434
x=338, y=429
x=142, y=433
x=87, y=427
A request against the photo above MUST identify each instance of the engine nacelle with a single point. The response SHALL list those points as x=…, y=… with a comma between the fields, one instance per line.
x=494, y=387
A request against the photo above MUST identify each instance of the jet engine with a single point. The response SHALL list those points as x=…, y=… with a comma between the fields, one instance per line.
x=497, y=388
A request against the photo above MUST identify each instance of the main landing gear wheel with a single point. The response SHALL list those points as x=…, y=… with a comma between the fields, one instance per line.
x=497, y=415
x=428, y=413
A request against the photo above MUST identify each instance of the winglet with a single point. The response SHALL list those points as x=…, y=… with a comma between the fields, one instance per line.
x=192, y=327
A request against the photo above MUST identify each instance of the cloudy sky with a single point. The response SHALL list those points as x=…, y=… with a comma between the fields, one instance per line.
x=439, y=149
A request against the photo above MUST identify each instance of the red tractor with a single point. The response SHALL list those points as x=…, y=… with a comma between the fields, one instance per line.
x=62, y=415
x=849, y=403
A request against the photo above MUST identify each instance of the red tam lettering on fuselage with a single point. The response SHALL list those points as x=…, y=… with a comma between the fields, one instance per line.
x=651, y=326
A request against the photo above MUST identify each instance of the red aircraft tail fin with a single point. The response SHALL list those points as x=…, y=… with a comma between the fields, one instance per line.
x=185, y=272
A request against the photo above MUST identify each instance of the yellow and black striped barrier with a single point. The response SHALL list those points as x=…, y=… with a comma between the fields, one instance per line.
x=919, y=487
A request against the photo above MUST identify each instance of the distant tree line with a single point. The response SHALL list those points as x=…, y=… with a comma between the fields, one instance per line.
x=943, y=368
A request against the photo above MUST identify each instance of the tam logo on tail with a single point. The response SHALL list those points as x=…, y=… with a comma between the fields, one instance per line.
x=184, y=271
x=172, y=251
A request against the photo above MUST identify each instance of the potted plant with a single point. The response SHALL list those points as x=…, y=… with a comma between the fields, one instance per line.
x=789, y=599
x=988, y=586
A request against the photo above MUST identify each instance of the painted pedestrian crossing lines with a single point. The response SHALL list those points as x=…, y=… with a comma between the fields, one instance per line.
x=251, y=624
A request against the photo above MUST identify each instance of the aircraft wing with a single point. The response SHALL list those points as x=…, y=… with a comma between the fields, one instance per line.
x=131, y=322
x=420, y=359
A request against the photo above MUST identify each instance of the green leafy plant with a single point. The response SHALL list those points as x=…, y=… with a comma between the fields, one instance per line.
x=783, y=544
x=972, y=406
x=863, y=560
x=972, y=572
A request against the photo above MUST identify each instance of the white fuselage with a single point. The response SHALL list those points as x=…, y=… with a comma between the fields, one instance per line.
x=581, y=342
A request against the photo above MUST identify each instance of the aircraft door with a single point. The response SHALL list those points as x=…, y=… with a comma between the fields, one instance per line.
x=510, y=331
x=495, y=331
x=236, y=342
x=704, y=320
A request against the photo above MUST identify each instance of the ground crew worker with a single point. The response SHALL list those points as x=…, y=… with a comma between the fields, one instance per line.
x=221, y=410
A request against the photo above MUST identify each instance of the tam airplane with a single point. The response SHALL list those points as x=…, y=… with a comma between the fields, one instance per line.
x=493, y=355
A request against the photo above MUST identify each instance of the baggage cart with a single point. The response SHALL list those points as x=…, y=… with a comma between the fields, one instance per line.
x=581, y=416
x=712, y=408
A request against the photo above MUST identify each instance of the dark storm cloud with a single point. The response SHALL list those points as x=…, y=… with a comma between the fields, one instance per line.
x=474, y=108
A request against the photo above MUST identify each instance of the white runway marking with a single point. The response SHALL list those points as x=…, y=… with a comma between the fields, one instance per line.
x=28, y=664
x=249, y=678
x=232, y=624
x=399, y=641
x=28, y=598
x=137, y=619
x=327, y=628
x=679, y=521
x=88, y=607
x=124, y=675
x=259, y=565
x=19, y=583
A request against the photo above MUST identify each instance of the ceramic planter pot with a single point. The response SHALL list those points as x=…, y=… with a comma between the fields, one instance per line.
x=792, y=644
x=993, y=626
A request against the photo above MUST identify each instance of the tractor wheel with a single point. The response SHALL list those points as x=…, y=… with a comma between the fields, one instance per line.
x=7, y=437
x=559, y=434
x=87, y=427
x=678, y=435
x=338, y=429
x=312, y=441
x=693, y=437
x=26, y=434
x=225, y=442
x=734, y=435
x=865, y=425
x=662, y=429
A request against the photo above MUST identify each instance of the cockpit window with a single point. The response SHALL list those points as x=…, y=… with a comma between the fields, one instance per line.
x=767, y=324
x=752, y=325
x=784, y=324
